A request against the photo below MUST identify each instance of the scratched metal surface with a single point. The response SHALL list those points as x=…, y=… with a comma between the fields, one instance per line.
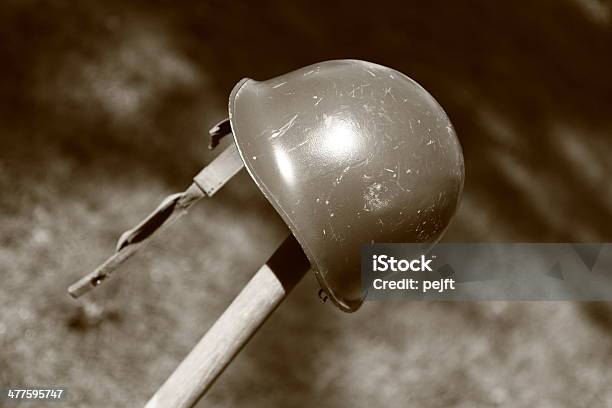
x=349, y=152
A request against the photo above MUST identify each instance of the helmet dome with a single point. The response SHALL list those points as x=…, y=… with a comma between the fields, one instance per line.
x=349, y=153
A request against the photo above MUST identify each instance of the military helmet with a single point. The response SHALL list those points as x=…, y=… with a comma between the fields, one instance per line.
x=349, y=153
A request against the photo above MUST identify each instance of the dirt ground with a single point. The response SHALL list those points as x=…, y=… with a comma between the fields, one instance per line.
x=105, y=108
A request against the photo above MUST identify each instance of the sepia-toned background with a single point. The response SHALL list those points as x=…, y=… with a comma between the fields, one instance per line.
x=104, y=110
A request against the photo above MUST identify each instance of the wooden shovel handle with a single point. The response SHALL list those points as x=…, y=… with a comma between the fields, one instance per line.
x=242, y=318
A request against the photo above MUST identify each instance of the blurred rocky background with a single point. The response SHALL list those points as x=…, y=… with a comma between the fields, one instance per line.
x=104, y=110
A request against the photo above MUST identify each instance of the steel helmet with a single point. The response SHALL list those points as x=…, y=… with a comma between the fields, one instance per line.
x=349, y=153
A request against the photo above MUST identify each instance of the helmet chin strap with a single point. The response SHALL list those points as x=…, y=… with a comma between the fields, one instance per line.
x=208, y=181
